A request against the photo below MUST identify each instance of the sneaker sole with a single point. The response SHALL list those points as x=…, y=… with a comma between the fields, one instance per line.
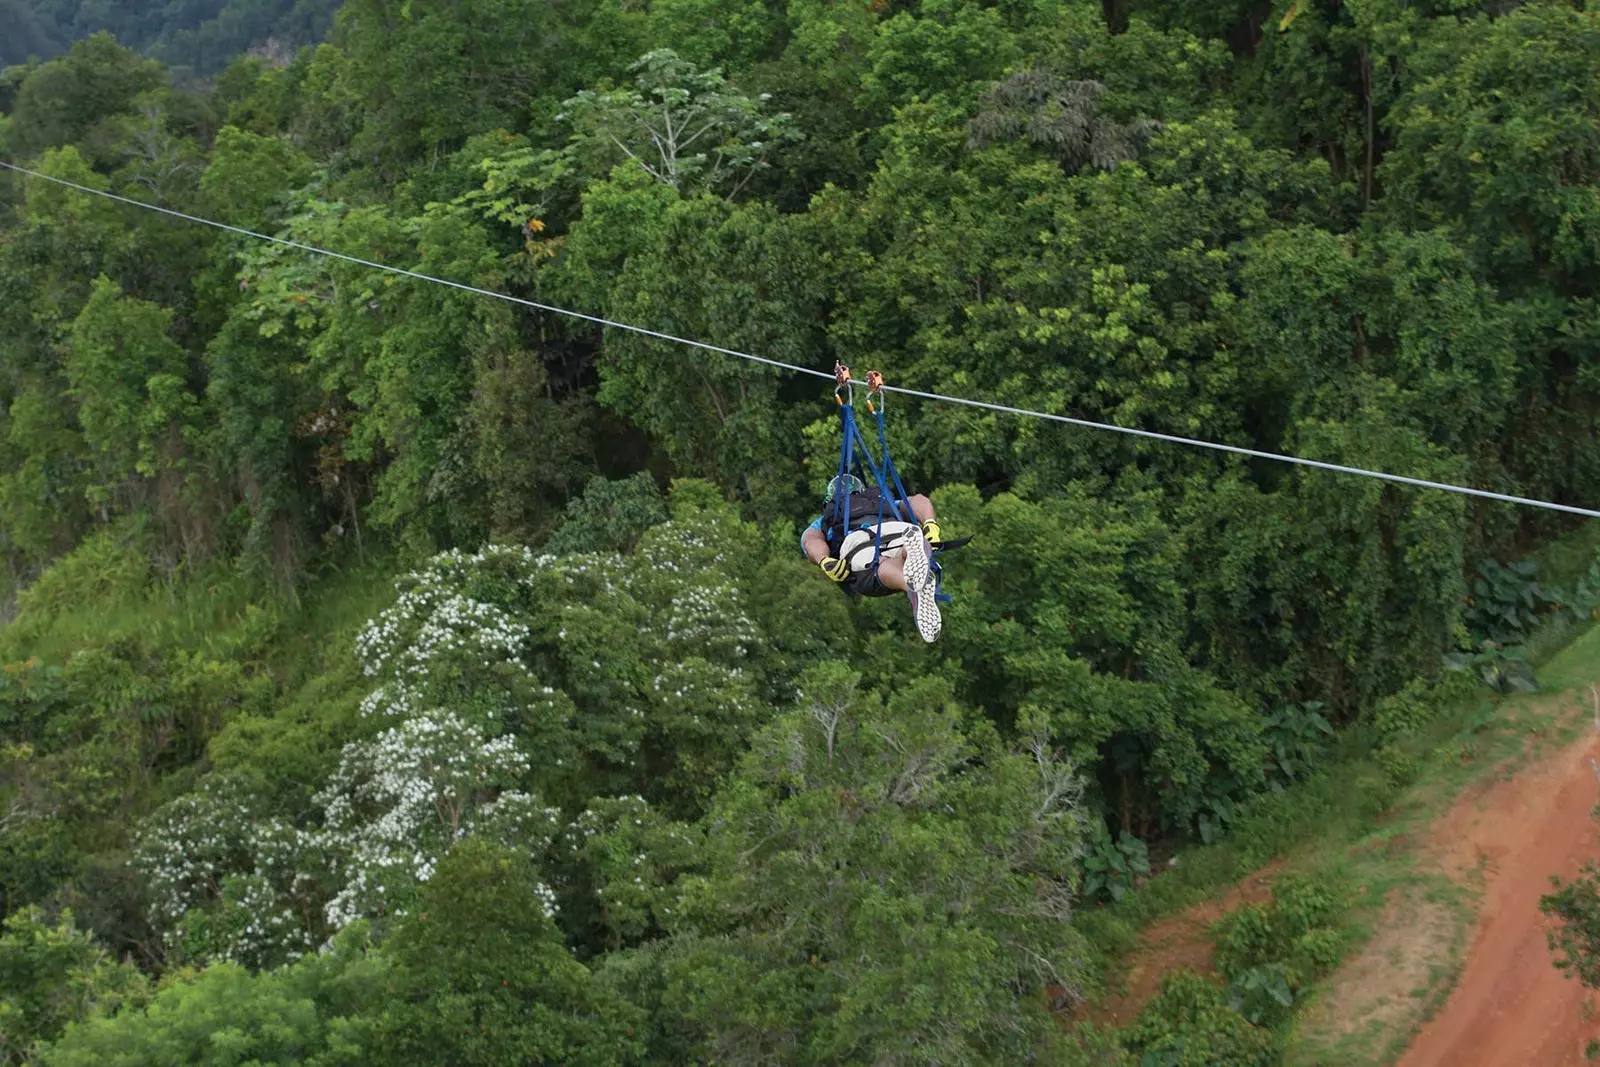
x=920, y=589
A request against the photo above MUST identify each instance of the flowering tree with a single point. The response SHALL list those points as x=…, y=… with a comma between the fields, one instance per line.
x=397, y=803
x=228, y=882
x=509, y=686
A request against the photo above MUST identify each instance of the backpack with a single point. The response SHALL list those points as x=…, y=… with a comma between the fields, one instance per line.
x=844, y=514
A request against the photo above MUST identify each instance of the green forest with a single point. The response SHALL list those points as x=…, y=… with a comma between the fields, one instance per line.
x=393, y=675
x=196, y=38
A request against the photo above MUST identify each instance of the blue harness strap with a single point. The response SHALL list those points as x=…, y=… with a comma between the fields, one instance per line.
x=893, y=501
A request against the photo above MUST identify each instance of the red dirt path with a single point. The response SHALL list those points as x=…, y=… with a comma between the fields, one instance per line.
x=1181, y=940
x=1511, y=1007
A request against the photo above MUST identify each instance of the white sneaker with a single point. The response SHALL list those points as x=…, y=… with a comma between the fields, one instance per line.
x=922, y=587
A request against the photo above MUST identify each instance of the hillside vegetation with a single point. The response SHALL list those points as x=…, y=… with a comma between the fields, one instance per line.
x=398, y=675
x=197, y=37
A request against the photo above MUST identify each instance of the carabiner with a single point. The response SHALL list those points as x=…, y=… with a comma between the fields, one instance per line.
x=875, y=389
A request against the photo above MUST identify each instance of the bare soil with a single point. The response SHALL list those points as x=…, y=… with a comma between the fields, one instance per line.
x=1510, y=1005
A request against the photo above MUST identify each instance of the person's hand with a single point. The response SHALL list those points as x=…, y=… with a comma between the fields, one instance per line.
x=837, y=569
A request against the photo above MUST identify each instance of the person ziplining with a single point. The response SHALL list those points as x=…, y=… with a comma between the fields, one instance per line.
x=877, y=540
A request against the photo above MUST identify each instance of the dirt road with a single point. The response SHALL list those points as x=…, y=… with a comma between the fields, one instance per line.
x=1511, y=1007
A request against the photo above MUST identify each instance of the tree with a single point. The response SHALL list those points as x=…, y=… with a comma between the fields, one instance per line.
x=687, y=128
x=249, y=174
x=129, y=380
x=398, y=803
x=882, y=886
x=62, y=101
x=1575, y=939
x=424, y=75
x=306, y=1013
x=610, y=516
x=51, y=976
x=482, y=976
x=1059, y=116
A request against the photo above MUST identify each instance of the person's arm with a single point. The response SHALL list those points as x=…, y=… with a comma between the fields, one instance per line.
x=814, y=545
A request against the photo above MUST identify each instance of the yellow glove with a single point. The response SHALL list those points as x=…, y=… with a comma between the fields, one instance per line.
x=837, y=569
x=930, y=531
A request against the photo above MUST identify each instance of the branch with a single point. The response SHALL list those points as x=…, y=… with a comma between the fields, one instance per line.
x=648, y=168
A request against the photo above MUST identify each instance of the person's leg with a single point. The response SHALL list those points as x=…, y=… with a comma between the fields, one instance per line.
x=892, y=572
x=915, y=583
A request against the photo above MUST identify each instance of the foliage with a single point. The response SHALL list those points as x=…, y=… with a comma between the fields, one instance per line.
x=1297, y=736
x=54, y=975
x=1112, y=868
x=684, y=127
x=933, y=870
x=259, y=873
x=307, y=1012
x=610, y=516
x=1575, y=937
x=632, y=731
x=1059, y=116
x=1267, y=952
x=1508, y=601
x=481, y=976
x=1503, y=668
x=1190, y=1023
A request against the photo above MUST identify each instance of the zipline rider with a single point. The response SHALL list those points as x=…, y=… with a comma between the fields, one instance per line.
x=873, y=541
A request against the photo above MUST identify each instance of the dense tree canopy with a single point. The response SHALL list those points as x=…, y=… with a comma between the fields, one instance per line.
x=401, y=675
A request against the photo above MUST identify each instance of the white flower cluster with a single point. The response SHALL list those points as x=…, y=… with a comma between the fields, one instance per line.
x=263, y=929
x=433, y=616
x=398, y=802
x=707, y=616
x=426, y=624
x=392, y=700
x=209, y=850
x=450, y=657
x=547, y=899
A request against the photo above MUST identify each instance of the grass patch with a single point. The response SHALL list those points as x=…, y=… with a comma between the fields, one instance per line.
x=1403, y=971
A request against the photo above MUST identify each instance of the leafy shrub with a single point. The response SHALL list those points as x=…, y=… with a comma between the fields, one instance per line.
x=1575, y=939
x=1219, y=808
x=1508, y=601
x=1405, y=712
x=1261, y=994
x=1111, y=867
x=1400, y=768
x=610, y=516
x=1297, y=736
x=1418, y=704
x=1503, y=668
x=1584, y=599
x=1245, y=937
x=100, y=571
x=1269, y=951
x=1190, y=1023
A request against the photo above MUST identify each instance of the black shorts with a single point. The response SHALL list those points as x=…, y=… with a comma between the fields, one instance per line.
x=861, y=549
x=865, y=583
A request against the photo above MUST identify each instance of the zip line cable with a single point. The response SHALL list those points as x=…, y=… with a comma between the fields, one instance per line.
x=1151, y=435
